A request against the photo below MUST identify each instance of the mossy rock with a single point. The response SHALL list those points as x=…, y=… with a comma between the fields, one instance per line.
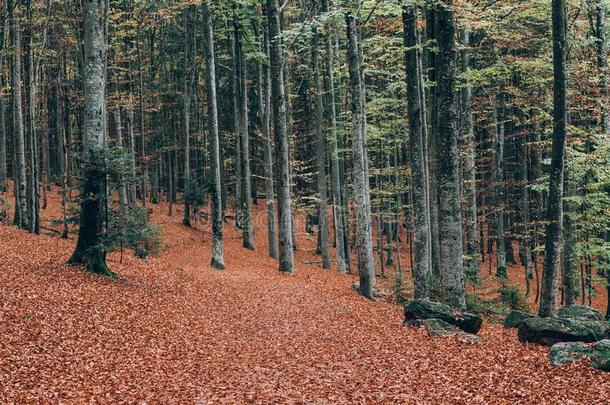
x=601, y=355
x=548, y=331
x=436, y=327
x=580, y=312
x=566, y=352
x=425, y=309
x=515, y=318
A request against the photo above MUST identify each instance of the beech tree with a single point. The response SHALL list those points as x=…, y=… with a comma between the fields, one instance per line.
x=554, y=213
x=89, y=251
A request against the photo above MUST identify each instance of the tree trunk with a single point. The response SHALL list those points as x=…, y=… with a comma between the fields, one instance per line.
x=186, y=220
x=450, y=215
x=281, y=140
x=331, y=117
x=264, y=95
x=499, y=132
x=217, y=211
x=320, y=155
x=554, y=213
x=362, y=203
x=21, y=214
x=601, y=46
x=472, y=260
x=119, y=132
x=421, y=207
x=569, y=238
x=89, y=251
x=244, y=140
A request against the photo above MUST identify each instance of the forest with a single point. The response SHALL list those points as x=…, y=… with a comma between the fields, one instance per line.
x=304, y=201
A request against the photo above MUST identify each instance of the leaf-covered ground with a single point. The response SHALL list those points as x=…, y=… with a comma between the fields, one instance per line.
x=173, y=331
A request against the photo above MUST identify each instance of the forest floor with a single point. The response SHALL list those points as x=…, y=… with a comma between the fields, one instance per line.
x=171, y=330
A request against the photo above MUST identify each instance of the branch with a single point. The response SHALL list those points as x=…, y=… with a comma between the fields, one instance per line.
x=283, y=6
x=366, y=20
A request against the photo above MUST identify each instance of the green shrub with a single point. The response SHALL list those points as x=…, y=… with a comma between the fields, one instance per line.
x=512, y=297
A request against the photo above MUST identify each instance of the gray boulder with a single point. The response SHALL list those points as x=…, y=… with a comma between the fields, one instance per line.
x=601, y=355
x=580, y=312
x=566, y=352
x=436, y=327
x=424, y=309
x=548, y=331
x=515, y=318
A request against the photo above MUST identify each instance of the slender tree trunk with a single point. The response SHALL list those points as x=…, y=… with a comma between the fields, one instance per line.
x=362, y=203
x=450, y=215
x=132, y=158
x=554, y=213
x=526, y=245
x=472, y=261
x=217, y=211
x=320, y=155
x=569, y=238
x=3, y=134
x=89, y=251
x=499, y=132
x=281, y=139
x=601, y=46
x=186, y=220
x=421, y=207
x=21, y=214
x=244, y=139
x=264, y=95
x=3, y=166
x=142, y=126
x=119, y=131
x=237, y=205
x=331, y=117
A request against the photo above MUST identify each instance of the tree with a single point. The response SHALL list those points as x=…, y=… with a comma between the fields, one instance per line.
x=362, y=201
x=264, y=97
x=554, y=212
x=421, y=201
x=214, y=139
x=281, y=139
x=450, y=215
x=471, y=247
x=331, y=117
x=89, y=251
x=320, y=154
x=21, y=206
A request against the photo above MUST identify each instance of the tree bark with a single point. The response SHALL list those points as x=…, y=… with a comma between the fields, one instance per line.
x=21, y=214
x=362, y=203
x=471, y=247
x=282, y=140
x=320, y=154
x=214, y=138
x=331, y=116
x=421, y=208
x=244, y=139
x=449, y=215
x=89, y=251
x=554, y=213
x=186, y=220
x=264, y=95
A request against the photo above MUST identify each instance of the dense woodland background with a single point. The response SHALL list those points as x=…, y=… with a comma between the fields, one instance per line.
x=431, y=132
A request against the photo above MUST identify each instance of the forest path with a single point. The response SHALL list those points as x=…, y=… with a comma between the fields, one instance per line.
x=173, y=331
